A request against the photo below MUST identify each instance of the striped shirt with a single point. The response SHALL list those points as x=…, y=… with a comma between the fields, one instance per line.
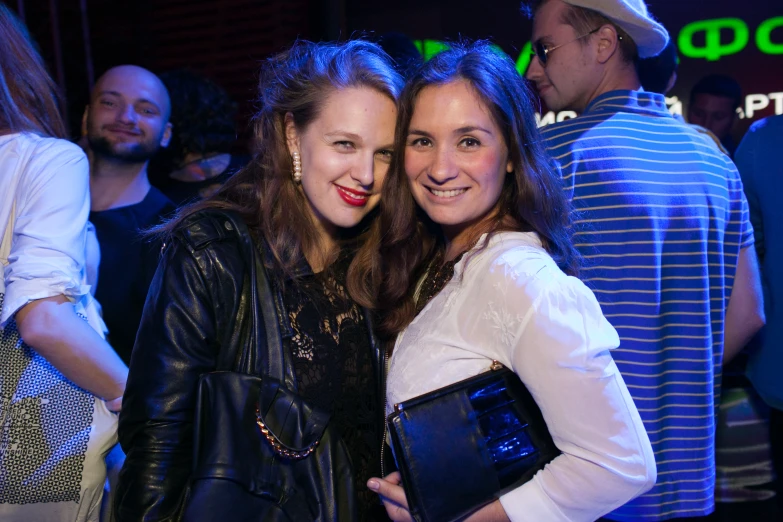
x=660, y=218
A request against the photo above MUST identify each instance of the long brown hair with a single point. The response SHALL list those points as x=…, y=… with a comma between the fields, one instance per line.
x=404, y=240
x=296, y=81
x=28, y=95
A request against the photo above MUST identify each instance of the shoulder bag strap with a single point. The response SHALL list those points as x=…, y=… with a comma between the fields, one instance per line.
x=5, y=244
x=272, y=361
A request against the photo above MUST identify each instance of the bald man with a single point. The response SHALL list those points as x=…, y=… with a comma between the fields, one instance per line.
x=125, y=124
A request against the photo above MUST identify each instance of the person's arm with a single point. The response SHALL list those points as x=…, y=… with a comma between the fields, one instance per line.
x=393, y=497
x=43, y=277
x=175, y=345
x=51, y=327
x=745, y=313
x=562, y=356
x=745, y=159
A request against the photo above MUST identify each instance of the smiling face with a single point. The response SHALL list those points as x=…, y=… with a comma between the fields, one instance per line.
x=569, y=79
x=127, y=119
x=345, y=154
x=456, y=158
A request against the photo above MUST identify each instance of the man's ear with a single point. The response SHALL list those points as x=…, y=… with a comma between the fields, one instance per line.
x=167, y=133
x=291, y=133
x=85, y=115
x=608, y=43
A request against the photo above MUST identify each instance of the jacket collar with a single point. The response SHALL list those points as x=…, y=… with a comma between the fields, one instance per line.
x=637, y=102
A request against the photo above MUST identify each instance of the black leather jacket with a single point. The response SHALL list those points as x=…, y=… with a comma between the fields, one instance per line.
x=198, y=304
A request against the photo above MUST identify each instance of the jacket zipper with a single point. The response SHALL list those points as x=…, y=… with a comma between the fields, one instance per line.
x=383, y=412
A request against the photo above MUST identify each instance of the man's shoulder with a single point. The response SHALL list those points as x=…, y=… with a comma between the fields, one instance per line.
x=622, y=127
x=770, y=126
x=568, y=131
x=157, y=202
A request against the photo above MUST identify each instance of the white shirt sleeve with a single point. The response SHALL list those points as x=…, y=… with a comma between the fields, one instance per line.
x=561, y=353
x=50, y=226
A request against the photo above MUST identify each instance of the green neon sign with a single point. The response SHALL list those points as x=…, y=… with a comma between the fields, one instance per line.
x=764, y=36
x=429, y=48
x=713, y=48
x=523, y=62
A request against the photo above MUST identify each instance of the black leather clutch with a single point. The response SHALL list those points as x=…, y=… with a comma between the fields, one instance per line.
x=460, y=447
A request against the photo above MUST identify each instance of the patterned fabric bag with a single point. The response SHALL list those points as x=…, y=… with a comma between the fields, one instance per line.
x=54, y=434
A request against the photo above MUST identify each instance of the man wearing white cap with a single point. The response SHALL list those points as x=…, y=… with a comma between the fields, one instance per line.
x=662, y=222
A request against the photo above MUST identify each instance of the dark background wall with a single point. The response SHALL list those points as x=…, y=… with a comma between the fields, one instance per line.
x=226, y=39
x=222, y=39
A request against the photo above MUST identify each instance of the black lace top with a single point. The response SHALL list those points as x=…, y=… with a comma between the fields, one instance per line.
x=332, y=360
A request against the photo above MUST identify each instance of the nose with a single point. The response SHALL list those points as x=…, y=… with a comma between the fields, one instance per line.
x=127, y=114
x=534, y=69
x=364, y=173
x=443, y=167
x=708, y=123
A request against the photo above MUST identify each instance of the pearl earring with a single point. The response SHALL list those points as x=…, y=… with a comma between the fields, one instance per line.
x=297, y=167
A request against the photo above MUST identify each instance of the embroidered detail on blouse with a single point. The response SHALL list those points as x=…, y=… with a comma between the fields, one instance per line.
x=504, y=324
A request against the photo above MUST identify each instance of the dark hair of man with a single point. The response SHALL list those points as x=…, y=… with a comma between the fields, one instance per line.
x=28, y=95
x=402, y=51
x=404, y=240
x=584, y=20
x=718, y=85
x=202, y=113
x=297, y=81
x=655, y=73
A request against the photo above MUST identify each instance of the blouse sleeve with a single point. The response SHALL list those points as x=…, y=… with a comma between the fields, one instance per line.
x=50, y=227
x=561, y=353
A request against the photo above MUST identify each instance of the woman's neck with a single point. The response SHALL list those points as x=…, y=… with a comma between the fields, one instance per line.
x=462, y=238
x=320, y=255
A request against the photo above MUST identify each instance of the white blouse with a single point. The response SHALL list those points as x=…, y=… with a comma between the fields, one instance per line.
x=45, y=185
x=511, y=303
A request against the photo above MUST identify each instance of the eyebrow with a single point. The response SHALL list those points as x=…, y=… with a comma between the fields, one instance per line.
x=344, y=134
x=462, y=130
x=142, y=100
x=420, y=132
x=472, y=128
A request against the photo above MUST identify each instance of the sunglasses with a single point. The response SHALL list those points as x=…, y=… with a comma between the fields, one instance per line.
x=541, y=52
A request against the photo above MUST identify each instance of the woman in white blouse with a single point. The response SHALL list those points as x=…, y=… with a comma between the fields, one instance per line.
x=476, y=264
x=59, y=378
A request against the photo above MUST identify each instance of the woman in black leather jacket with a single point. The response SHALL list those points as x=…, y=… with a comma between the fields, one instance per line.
x=324, y=136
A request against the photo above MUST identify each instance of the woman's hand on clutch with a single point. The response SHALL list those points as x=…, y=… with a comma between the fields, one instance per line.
x=393, y=496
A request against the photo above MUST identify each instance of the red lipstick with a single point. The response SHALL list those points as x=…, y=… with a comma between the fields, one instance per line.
x=356, y=198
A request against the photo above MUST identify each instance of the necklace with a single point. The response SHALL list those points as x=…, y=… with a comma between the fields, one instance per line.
x=436, y=279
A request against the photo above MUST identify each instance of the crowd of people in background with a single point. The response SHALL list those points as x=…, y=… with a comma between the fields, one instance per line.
x=409, y=217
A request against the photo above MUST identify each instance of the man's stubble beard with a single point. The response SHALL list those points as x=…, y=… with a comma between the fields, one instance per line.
x=137, y=153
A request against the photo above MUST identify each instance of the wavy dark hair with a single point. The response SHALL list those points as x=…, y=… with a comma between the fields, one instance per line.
x=204, y=119
x=404, y=240
x=28, y=95
x=296, y=81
